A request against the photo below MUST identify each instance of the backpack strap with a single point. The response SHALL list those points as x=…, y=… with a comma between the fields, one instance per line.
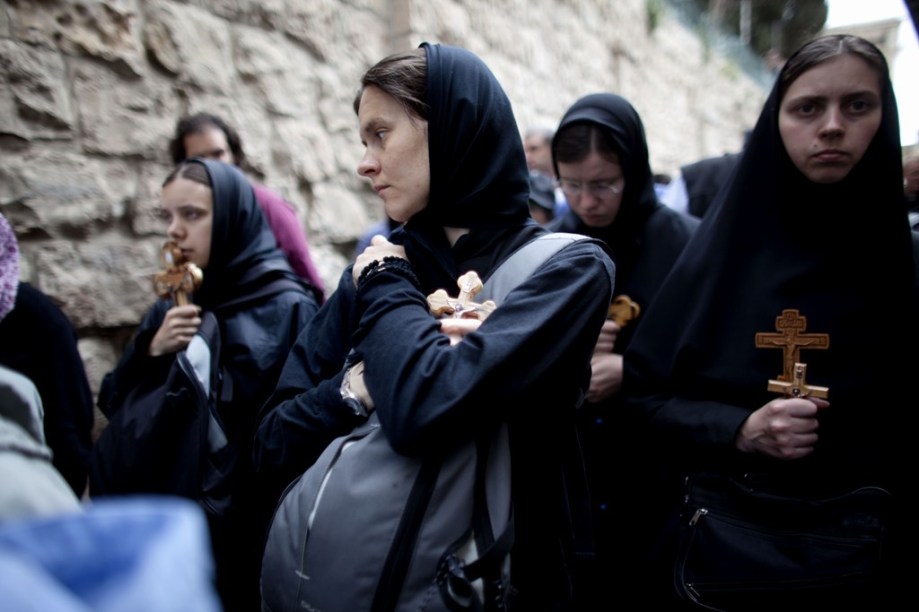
x=522, y=263
x=493, y=548
x=395, y=568
x=510, y=273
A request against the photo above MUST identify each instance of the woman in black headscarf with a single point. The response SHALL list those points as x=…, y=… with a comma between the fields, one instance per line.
x=444, y=153
x=260, y=305
x=601, y=160
x=806, y=257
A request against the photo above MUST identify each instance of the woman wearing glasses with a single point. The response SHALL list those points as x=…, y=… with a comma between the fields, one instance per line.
x=601, y=161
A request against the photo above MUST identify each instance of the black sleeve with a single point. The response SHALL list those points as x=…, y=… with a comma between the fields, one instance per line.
x=135, y=363
x=306, y=412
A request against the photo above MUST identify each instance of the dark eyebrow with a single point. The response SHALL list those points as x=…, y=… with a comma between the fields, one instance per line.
x=865, y=93
x=371, y=125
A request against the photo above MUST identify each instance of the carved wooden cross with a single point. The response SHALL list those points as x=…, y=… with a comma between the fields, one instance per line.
x=797, y=387
x=623, y=310
x=462, y=306
x=179, y=278
x=791, y=340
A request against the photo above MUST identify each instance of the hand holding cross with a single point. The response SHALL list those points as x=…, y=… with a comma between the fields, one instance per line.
x=179, y=278
x=462, y=306
x=791, y=340
x=623, y=310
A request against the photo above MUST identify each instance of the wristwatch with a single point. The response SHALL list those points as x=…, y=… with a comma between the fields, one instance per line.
x=350, y=398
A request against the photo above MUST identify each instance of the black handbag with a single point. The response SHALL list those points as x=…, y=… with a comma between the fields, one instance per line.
x=743, y=548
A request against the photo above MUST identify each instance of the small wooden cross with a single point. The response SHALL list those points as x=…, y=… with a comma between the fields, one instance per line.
x=179, y=278
x=791, y=340
x=462, y=306
x=623, y=310
x=797, y=387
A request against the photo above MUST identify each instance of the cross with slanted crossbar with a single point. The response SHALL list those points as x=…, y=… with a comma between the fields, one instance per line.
x=797, y=387
x=792, y=339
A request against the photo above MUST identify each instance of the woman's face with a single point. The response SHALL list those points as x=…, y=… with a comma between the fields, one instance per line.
x=395, y=154
x=829, y=116
x=187, y=206
x=593, y=188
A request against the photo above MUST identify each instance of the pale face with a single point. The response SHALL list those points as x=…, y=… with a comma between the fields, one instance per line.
x=187, y=207
x=538, y=153
x=829, y=116
x=395, y=154
x=599, y=196
x=210, y=143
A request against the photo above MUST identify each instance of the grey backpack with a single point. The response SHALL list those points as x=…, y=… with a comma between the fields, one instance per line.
x=365, y=528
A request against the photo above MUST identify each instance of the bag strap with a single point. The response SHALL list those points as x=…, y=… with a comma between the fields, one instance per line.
x=395, y=568
x=522, y=263
x=515, y=269
x=493, y=548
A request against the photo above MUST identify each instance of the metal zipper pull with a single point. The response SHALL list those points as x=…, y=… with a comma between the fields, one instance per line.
x=699, y=513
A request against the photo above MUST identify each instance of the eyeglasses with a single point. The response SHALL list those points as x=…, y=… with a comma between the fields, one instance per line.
x=602, y=190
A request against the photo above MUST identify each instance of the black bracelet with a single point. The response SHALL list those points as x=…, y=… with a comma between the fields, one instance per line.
x=366, y=271
x=390, y=263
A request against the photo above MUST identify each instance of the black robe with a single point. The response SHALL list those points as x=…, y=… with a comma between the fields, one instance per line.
x=255, y=339
x=527, y=362
x=841, y=255
x=645, y=240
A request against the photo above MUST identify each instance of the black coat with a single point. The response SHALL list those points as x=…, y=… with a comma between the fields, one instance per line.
x=38, y=341
x=841, y=255
x=645, y=240
x=527, y=363
x=256, y=337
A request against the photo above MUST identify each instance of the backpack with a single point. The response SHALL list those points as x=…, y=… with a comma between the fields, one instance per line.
x=365, y=528
x=167, y=436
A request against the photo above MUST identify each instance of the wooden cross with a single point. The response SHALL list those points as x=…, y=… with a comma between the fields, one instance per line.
x=791, y=340
x=179, y=278
x=623, y=310
x=462, y=306
x=797, y=387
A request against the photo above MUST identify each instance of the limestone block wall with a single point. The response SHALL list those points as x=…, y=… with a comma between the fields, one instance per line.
x=91, y=90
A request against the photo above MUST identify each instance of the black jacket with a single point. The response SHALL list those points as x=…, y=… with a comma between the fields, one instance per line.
x=256, y=335
x=527, y=363
x=38, y=340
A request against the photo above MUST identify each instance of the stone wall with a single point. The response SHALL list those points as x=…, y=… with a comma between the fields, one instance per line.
x=92, y=89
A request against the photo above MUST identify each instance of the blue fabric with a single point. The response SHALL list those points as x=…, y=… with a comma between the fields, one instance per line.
x=145, y=554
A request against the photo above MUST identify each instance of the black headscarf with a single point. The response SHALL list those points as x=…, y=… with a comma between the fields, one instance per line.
x=244, y=252
x=619, y=118
x=479, y=176
x=840, y=254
